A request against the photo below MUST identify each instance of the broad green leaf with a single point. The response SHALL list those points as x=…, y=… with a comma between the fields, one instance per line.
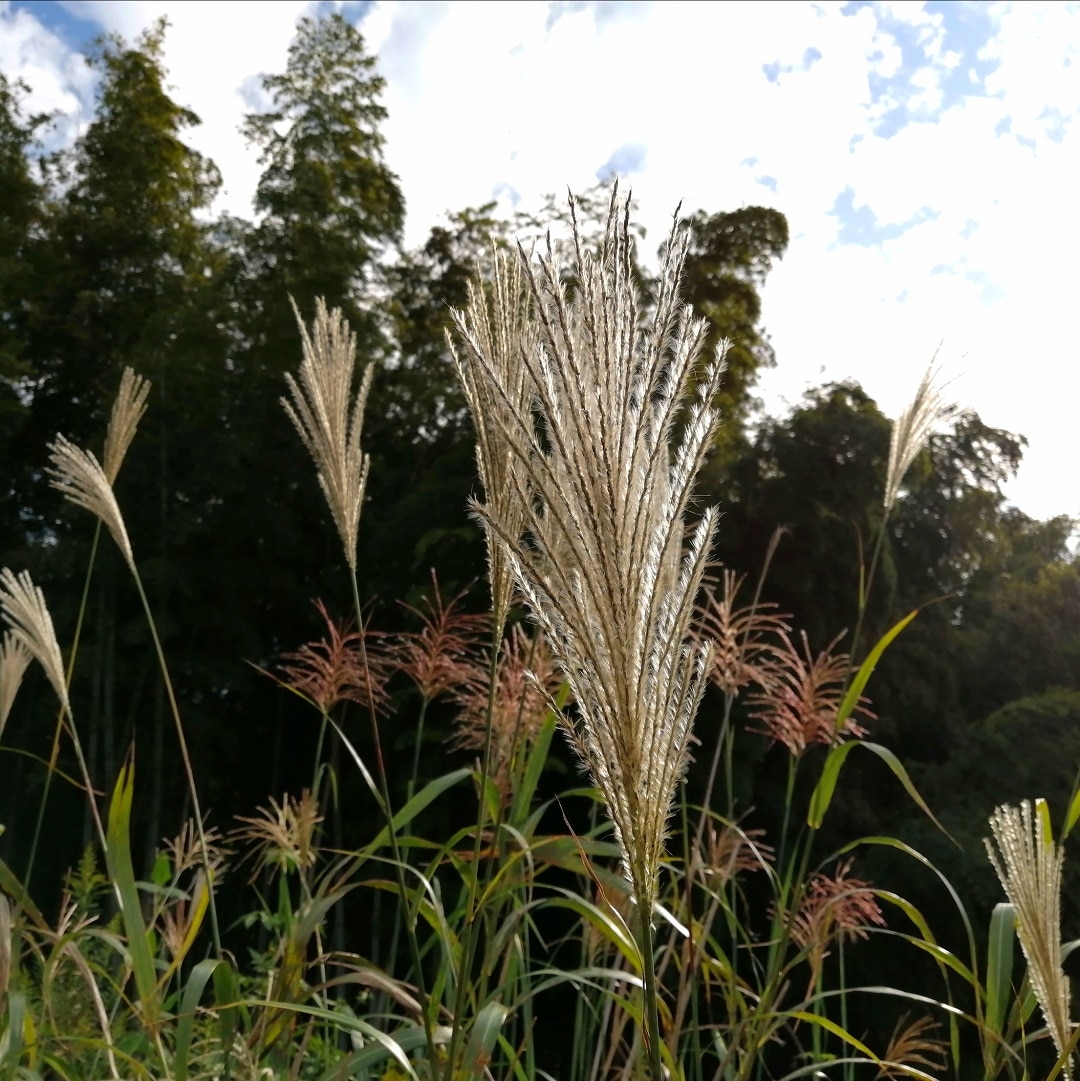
x=428, y=794
x=193, y=992
x=836, y=1030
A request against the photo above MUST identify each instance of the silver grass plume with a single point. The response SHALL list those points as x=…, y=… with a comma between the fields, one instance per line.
x=603, y=558
x=23, y=606
x=911, y=431
x=495, y=331
x=128, y=409
x=1029, y=864
x=330, y=419
x=79, y=476
x=88, y=483
x=15, y=658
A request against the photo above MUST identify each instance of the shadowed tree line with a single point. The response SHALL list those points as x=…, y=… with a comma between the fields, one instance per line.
x=110, y=257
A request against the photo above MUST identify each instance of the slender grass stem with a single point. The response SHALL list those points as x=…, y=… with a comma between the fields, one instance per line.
x=468, y=948
x=650, y=1008
x=54, y=754
x=387, y=809
x=185, y=758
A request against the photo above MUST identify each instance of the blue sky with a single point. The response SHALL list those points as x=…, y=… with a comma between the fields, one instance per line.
x=926, y=155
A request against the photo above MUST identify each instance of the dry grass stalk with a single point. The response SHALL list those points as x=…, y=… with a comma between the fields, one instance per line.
x=1029, y=866
x=602, y=556
x=496, y=337
x=24, y=609
x=15, y=658
x=911, y=431
x=799, y=705
x=78, y=475
x=128, y=409
x=330, y=420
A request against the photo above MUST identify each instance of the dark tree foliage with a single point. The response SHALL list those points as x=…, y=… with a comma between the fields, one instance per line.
x=117, y=273
x=730, y=257
x=20, y=211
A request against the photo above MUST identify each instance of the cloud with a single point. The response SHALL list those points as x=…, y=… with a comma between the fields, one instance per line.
x=925, y=155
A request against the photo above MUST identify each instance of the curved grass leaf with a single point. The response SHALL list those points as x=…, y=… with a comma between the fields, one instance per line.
x=201, y=974
x=121, y=871
x=866, y=670
x=830, y=774
x=999, y=965
x=482, y=1037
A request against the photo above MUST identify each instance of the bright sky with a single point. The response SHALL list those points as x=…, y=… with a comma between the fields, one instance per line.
x=927, y=156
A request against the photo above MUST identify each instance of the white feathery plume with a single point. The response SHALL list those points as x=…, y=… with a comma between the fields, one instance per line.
x=330, y=420
x=79, y=476
x=128, y=409
x=1029, y=864
x=605, y=558
x=495, y=330
x=15, y=658
x=912, y=429
x=23, y=606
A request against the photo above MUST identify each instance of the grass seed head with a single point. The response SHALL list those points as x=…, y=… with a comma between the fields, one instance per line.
x=78, y=475
x=15, y=658
x=330, y=419
x=593, y=519
x=127, y=411
x=23, y=606
x=1029, y=866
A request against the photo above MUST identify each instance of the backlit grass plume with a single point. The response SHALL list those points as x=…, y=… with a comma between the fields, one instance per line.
x=593, y=526
x=88, y=483
x=912, y=429
x=26, y=613
x=1029, y=864
x=330, y=419
x=495, y=331
x=15, y=658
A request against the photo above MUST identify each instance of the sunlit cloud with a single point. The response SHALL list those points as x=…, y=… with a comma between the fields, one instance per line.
x=925, y=155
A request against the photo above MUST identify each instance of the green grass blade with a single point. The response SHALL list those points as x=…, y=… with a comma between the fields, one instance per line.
x=830, y=774
x=122, y=873
x=485, y=1031
x=427, y=795
x=999, y=966
x=201, y=974
x=866, y=670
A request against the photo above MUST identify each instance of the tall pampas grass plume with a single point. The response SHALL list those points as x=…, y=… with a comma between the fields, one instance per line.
x=590, y=511
x=330, y=418
x=1029, y=866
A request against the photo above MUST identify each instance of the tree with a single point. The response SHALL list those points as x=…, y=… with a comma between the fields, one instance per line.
x=20, y=212
x=119, y=276
x=731, y=254
x=328, y=203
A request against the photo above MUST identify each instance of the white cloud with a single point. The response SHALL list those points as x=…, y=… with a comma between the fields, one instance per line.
x=527, y=98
